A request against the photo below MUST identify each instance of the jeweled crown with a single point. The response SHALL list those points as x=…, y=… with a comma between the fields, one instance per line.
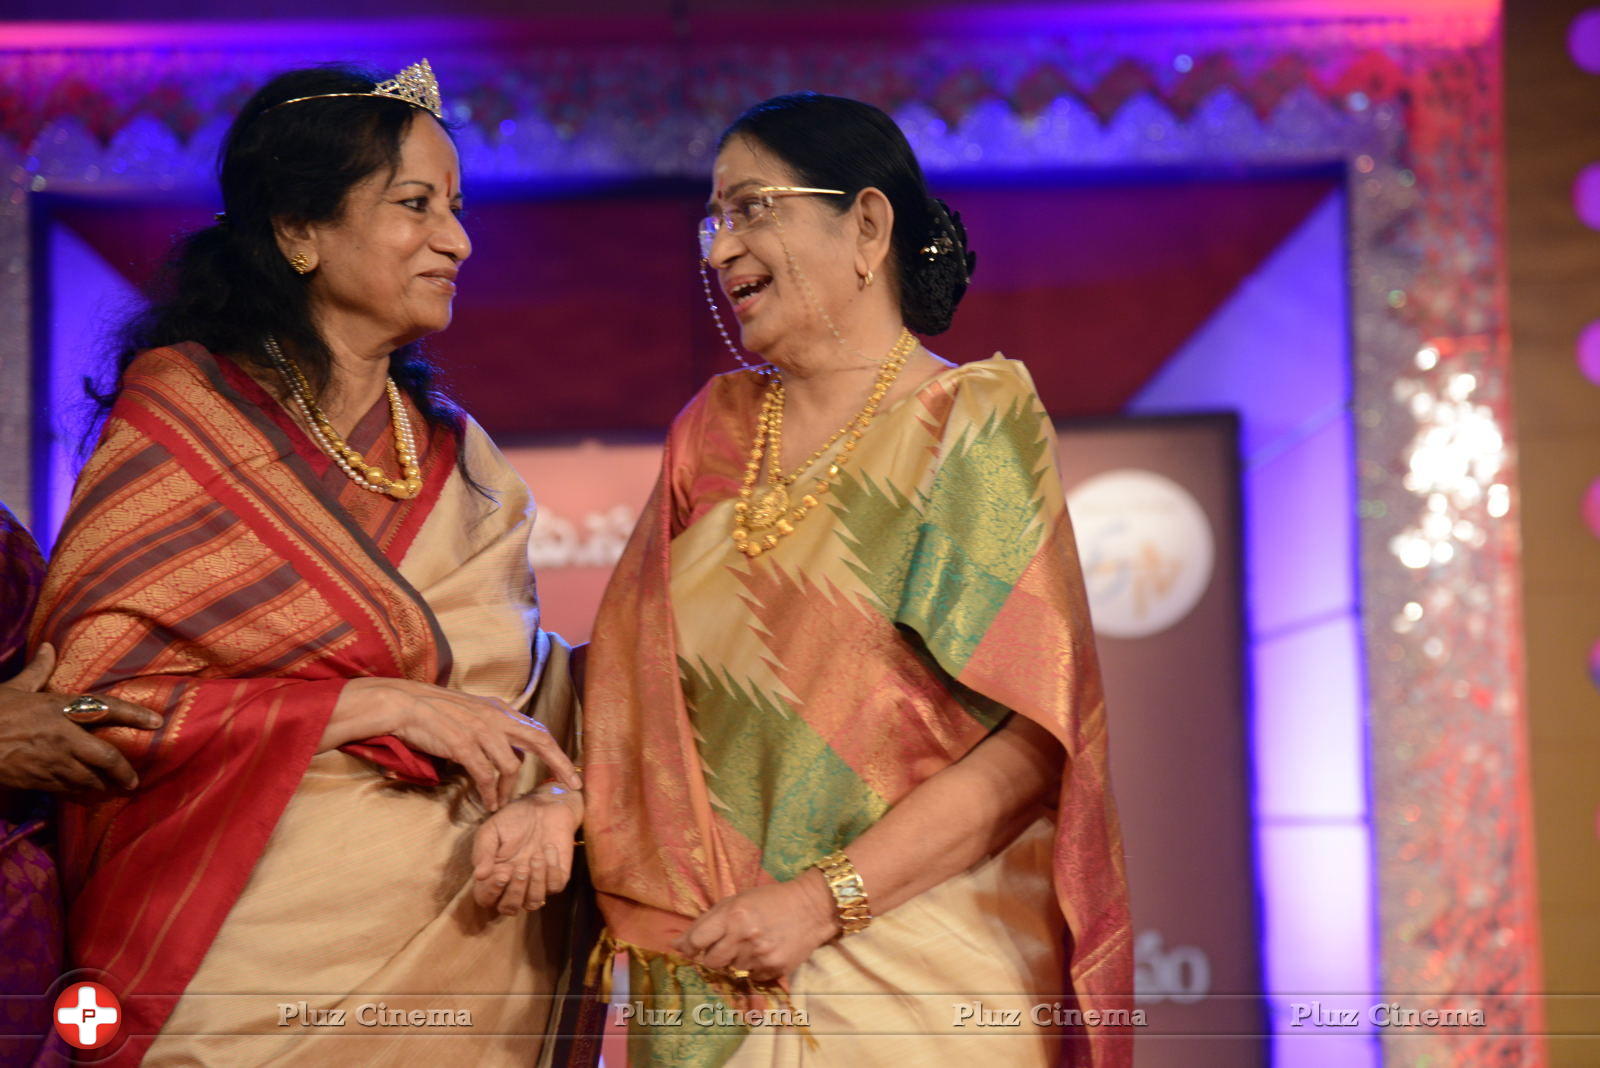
x=415, y=85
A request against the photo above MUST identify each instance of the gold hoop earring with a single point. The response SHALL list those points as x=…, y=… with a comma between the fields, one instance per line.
x=301, y=263
x=867, y=281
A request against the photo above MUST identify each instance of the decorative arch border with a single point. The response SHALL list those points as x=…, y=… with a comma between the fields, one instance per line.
x=1407, y=104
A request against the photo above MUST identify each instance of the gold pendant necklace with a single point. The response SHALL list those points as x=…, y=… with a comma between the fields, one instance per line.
x=768, y=508
x=771, y=512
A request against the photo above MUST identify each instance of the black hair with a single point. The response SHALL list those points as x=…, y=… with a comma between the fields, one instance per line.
x=833, y=142
x=228, y=286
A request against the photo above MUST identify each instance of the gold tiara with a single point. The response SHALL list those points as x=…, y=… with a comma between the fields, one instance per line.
x=415, y=86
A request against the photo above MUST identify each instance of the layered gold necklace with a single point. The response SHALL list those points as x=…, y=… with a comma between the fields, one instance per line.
x=759, y=522
x=351, y=462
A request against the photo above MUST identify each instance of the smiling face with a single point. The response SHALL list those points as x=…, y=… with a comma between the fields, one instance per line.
x=775, y=300
x=385, y=269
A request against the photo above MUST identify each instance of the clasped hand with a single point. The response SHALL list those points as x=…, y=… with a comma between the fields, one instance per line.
x=523, y=854
x=767, y=931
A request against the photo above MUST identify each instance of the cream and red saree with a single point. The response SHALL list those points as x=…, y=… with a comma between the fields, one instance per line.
x=746, y=717
x=217, y=568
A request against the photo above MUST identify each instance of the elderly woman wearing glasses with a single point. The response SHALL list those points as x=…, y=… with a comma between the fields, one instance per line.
x=316, y=569
x=846, y=749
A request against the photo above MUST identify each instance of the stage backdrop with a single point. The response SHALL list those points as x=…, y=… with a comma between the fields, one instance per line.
x=1155, y=504
x=1395, y=834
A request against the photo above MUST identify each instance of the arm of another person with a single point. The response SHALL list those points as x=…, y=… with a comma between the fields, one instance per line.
x=972, y=809
x=485, y=736
x=41, y=749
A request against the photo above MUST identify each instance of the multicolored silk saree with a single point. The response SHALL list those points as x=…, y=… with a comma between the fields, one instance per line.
x=746, y=717
x=254, y=900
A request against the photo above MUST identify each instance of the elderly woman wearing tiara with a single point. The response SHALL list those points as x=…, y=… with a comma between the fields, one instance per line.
x=293, y=549
x=845, y=742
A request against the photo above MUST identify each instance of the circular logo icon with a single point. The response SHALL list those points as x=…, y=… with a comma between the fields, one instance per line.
x=88, y=1015
x=1146, y=549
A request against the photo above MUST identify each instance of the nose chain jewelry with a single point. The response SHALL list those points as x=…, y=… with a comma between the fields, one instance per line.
x=716, y=316
x=772, y=513
x=351, y=462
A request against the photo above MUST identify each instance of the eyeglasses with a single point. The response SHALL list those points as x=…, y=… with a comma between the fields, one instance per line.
x=751, y=210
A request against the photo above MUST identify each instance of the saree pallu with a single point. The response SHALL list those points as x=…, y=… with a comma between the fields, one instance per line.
x=746, y=717
x=217, y=568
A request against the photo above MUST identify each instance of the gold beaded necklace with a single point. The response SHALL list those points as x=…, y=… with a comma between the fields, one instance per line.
x=351, y=462
x=771, y=512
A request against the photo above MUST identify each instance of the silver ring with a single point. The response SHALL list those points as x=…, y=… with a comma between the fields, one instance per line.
x=85, y=709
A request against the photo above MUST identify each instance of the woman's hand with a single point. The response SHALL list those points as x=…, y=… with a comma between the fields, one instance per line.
x=41, y=749
x=523, y=853
x=768, y=931
x=485, y=736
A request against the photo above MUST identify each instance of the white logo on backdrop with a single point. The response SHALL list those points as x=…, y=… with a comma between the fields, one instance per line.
x=1181, y=974
x=594, y=541
x=1146, y=548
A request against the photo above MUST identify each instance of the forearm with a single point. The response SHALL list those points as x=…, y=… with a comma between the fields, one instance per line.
x=361, y=712
x=970, y=810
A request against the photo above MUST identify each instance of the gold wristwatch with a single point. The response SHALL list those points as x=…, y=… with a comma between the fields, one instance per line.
x=849, y=892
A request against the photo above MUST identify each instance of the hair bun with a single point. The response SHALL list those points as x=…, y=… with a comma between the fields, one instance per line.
x=950, y=237
x=937, y=278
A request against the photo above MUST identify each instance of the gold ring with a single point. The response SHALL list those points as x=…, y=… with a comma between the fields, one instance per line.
x=738, y=973
x=85, y=709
